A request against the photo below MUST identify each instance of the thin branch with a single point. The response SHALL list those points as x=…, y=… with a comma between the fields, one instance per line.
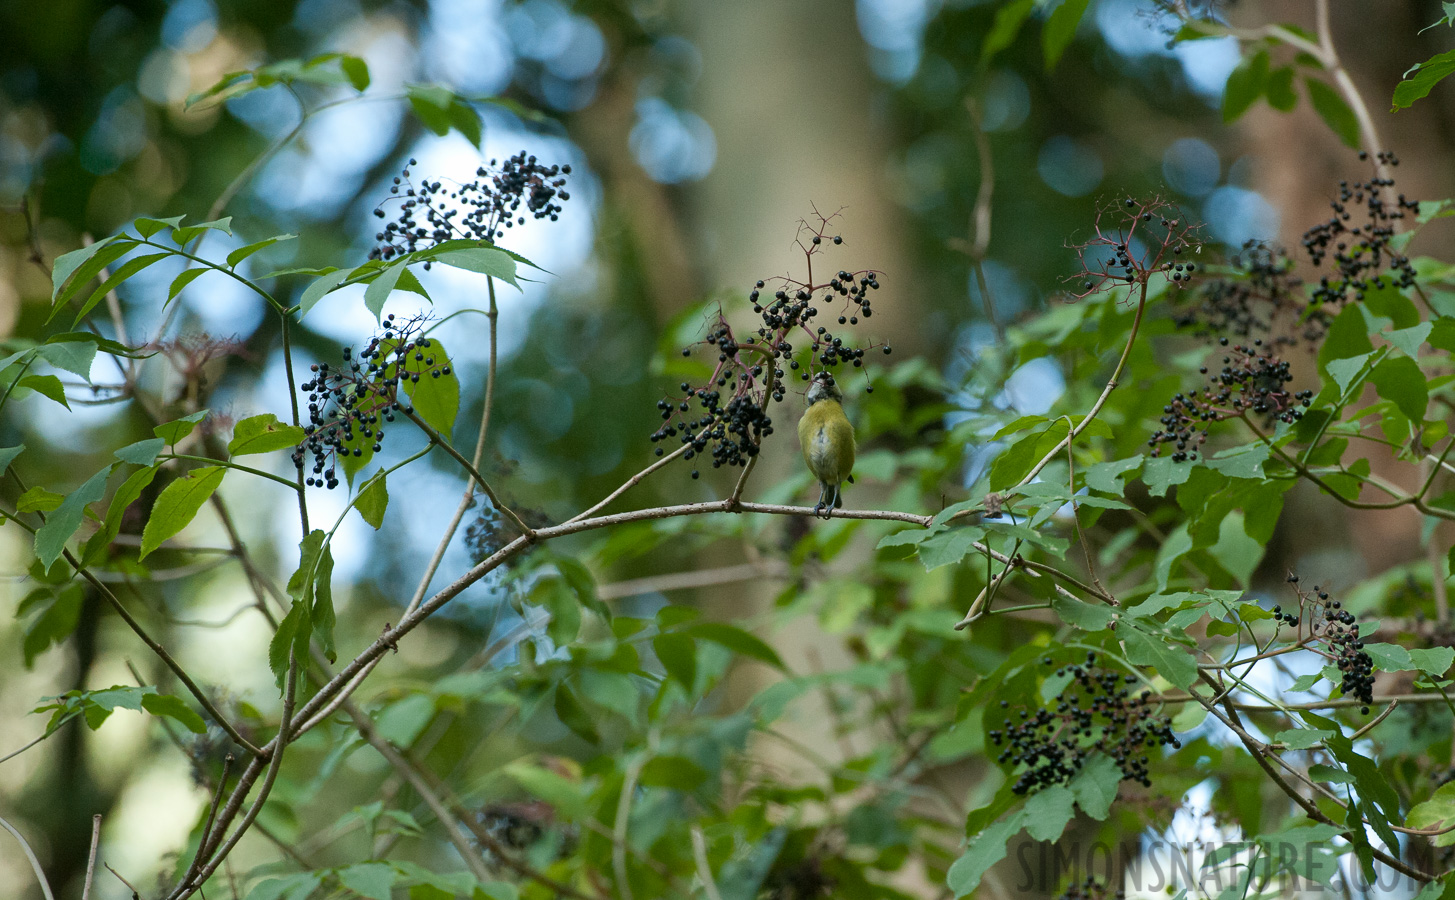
x=696, y=578
x=699, y=858
x=410, y=773
x=30, y=855
x=623, y=818
x=91, y=857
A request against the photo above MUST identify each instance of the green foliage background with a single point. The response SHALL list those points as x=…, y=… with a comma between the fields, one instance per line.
x=725, y=697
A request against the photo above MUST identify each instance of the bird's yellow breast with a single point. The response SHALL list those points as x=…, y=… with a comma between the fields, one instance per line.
x=827, y=439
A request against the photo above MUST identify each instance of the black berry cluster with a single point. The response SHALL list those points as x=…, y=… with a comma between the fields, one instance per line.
x=349, y=404
x=731, y=417
x=1252, y=380
x=1362, y=253
x=1262, y=298
x=1096, y=711
x=1141, y=238
x=1090, y=889
x=1338, y=630
x=433, y=212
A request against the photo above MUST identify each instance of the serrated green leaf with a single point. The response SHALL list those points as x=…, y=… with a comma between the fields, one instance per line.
x=71, y=355
x=1146, y=649
x=374, y=880
x=142, y=453
x=1421, y=79
x=247, y=250
x=678, y=655
x=48, y=386
x=51, y=537
x=490, y=261
x=1399, y=378
x=178, y=505
x=378, y=291
x=263, y=434
x=373, y=500
x=178, y=429
x=127, y=494
x=321, y=286
x=988, y=848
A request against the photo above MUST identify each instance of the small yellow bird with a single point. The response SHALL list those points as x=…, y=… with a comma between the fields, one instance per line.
x=827, y=438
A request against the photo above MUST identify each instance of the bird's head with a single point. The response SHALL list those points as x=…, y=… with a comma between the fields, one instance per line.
x=823, y=388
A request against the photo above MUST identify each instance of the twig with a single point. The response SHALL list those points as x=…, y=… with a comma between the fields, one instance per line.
x=30, y=855
x=91, y=857
x=698, y=578
x=468, y=499
x=623, y=818
x=704, y=870
x=134, y=894
x=410, y=773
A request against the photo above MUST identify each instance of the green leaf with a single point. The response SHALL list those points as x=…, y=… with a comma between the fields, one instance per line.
x=1048, y=811
x=1107, y=476
x=1434, y=661
x=187, y=234
x=490, y=261
x=948, y=547
x=1170, y=661
x=127, y=494
x=678, y=655
x=544, y=784
x=1235, y=550
x=55, y=623
x=1245, y=85
x=8, y=455
x=323, y=617
x=71, y=355
x=1398, y=378
x=433, y=391
x=1082, y=615
x=174, y=708
x=1410, y=339
x=1095, y=786
x=142, y=453
x=1436, y=812
x=127, y=269
x=676, y=772
x=574, y=716
x=1334, y=111
x=247, y=250
x=298, y=886
x=263, y=434
x=1390, y=657
x=147, y=227
x=177, y=429
x=1344, y=371
x=293, y=632
x=373, y=500
x=466, y=120
x=374, y=880
x=1161, y=472
x=988, y=849
x=357, y=72
x=1302, y=738
x=1060, y=29
x=51, y=538
x=1008, y=21
x=1279, y=89
x=736, y=640
x=321, y=286
x=1420, y=79
x=72, y=271
x=178, y=505
x=431, y=104
x=38, y=499
x=378, y=291
x=47, y=386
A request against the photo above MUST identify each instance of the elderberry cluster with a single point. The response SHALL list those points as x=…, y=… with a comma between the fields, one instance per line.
x=481, y=210
x=1362, y=254
x=1251, y=380
x=1096, y=712
x=1263, y=298
x=732, y=405
x=349, y=405
x=1146, y=237
x=1339, y=631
